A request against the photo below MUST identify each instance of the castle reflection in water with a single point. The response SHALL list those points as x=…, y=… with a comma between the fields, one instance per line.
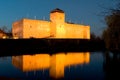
x=56, y=63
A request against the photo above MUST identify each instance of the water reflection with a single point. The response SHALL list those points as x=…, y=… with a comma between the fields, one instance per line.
x=56, y=63
x=31, y=62
x=111, y=65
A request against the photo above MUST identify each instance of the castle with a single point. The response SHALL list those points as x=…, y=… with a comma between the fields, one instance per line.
x=55, y=28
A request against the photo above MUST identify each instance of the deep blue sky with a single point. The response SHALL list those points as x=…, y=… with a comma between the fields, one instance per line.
x=77, y=11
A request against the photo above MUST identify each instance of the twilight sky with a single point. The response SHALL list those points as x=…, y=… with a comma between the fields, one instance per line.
x=77, y=11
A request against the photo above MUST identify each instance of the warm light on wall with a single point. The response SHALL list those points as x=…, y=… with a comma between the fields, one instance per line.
x=60, y=32
x=27, y=28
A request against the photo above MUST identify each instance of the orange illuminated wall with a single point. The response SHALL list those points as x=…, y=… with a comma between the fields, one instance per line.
x=17, y=30
x=27, y=28
x=77, y=31
x=55, y=28
x=36, y=28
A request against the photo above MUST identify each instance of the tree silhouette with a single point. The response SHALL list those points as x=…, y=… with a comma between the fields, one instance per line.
x=111, y=35
x=4, y=31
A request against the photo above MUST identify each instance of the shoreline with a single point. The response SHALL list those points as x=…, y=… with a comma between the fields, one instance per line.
x=30, y=46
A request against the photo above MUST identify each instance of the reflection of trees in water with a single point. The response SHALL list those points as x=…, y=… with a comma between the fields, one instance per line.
x=111, y=65
x=3, y=58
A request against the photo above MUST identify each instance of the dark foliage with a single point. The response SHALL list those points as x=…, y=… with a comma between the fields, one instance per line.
x=111, y=35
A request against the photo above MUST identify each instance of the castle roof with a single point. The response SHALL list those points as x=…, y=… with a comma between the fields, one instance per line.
x=57, y=10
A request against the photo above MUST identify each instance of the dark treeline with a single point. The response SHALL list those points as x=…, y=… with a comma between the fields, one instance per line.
x=30, y=46
x=4, y=31
x=93, y=36
x=111, y=35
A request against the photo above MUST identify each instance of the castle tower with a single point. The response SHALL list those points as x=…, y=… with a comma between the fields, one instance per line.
x=57, y=16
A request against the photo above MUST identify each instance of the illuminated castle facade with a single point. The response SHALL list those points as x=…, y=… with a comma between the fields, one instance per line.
x=55, y=28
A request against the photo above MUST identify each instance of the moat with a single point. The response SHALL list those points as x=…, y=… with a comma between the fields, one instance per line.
x=62, y=65
x=50, y=59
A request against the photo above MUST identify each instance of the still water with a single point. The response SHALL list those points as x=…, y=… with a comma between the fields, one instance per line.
x=63, y=65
